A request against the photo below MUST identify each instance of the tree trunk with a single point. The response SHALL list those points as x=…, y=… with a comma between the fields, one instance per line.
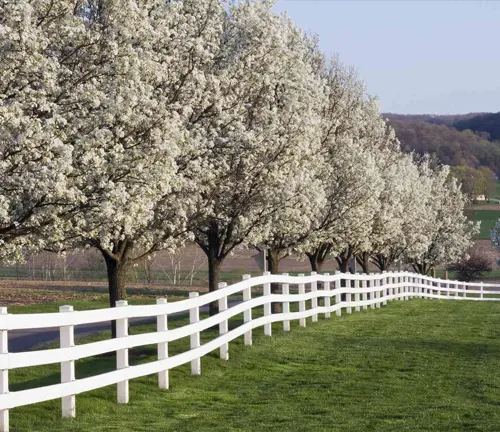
x=364, y=261
x=343, y=263
x=422, y=269
x=315, y=261
x=116, y=283
x=214, y=266
x=273, y=262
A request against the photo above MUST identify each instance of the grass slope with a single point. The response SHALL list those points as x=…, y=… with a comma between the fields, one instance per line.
x=421, y=365
x=488, y=219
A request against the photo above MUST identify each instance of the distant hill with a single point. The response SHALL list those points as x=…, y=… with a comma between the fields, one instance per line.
x=448, y=119
x=466, y=139
x=486, y=124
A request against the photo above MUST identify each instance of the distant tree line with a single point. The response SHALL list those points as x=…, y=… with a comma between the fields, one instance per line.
x=437, y=135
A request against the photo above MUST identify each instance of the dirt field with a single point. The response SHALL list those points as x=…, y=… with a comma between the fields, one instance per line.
x=485, y=207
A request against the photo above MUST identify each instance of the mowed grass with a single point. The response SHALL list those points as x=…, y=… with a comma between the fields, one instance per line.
x=421, y=365
x=488, y=220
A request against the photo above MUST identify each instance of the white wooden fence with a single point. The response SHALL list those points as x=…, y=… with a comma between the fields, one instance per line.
x=361, y=292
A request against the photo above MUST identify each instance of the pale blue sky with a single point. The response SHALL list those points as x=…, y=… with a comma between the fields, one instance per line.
x=416, y=56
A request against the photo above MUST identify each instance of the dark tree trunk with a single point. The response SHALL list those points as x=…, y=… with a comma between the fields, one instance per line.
x=116, y=283
x=343, y=263
x=318, y=256
x=422, y=269
x=273, y=262
x=383, y=262
x=314, y=261
x=214, y=266
x=363, y=260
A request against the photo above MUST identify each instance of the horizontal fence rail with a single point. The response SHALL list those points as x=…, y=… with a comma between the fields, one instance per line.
x=325, y=293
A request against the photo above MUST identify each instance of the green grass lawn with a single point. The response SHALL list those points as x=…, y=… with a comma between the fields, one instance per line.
x=488, y=220
x=421, y=365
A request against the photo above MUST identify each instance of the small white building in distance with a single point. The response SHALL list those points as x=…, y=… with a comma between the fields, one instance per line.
x=480, y=198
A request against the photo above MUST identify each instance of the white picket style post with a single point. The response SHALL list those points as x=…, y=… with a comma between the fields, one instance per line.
x=247, y=315
x=397, y=290
x=481, y=288
x=194, y=339
x=364, y=285
x=223, y=325
x=406, y=288
x=268, y=331
x=377, y=284
x=348, y=296
x=314, y=300
x=338, y=298
x=357, y=296
x=465, y=290
x=302, y=303
x=456, y=288
x=67, y=340
x=162, y=348
x=4, y=375
x=370, y=285
x=448, y=293
x=390, y=281
x=122, y=355
x=285, y=290
x=326, y=287
x=385, y=290
x=439, y=289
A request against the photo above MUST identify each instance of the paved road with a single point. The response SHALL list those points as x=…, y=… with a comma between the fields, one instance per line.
x=25, y=340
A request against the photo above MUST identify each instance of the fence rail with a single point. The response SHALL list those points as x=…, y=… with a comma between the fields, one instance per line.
x=339, y=292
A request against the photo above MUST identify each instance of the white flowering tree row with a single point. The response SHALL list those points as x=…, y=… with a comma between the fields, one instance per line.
x=129, y=126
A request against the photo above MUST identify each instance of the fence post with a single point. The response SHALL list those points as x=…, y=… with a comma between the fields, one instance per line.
x=223, y=325
x=247, y=315
x=465, y=290
x=285, y=290
x=448, y=294
x=337, y=296
x=67, y=340
x=326, y=287
x=162, y=326
x=357, y=295
x=385, y=291
x=122, y=355
x=267, y=306
x=456, y=289
x=406, y=279
x=481, y=296
x=302, y=303
x=376, y=283
x=4, y=375
x=364, y=285
x=194, y=317
x=348, y=296
x=314, y=301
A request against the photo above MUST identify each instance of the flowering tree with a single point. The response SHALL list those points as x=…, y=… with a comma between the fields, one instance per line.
x=445, y=233
x=258, y=136
x=399, y=208
x=35, y=157
x=99, y=105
